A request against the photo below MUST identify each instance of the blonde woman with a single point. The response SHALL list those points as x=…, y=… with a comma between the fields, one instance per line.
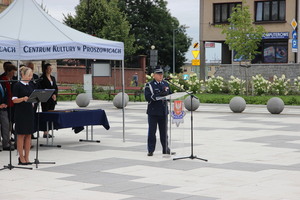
x=24, y=115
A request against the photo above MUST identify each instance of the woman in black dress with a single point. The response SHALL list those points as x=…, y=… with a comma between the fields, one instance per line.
x=48, y=82
x=24, y=115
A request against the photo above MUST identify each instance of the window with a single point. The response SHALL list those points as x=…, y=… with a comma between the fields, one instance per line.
x=222, y=12
x=270, y=10
x=275, y=52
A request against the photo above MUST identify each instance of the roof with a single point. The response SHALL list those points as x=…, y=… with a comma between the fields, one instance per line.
x=28, y=33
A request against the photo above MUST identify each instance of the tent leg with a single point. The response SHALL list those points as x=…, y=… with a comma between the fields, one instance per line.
x=123, y=102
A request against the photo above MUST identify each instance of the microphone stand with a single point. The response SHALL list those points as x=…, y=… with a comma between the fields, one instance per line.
x=192, y=156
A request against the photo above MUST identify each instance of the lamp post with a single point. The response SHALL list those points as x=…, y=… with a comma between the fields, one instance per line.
x=174, y=36
x=153, y=58
x=174, y=50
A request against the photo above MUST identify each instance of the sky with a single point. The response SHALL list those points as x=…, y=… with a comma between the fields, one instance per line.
x=186, y=11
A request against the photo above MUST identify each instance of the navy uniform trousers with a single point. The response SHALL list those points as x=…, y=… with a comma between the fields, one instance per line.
x=161, y=121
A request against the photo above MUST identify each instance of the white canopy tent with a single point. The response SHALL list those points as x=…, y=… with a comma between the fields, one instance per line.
x=27, y=32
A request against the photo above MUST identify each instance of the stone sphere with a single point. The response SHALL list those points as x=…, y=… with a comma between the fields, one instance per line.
x=82, y=100
x=117, y=101
x=275, y=105
x=237, y=104
x=187, y=103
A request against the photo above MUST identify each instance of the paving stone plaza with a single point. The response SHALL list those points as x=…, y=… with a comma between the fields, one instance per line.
x=252, y=155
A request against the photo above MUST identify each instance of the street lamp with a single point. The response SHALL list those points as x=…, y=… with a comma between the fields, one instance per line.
x=153, y=58
x=174, y=30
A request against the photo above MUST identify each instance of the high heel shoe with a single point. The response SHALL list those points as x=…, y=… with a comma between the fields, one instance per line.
x=20, y=163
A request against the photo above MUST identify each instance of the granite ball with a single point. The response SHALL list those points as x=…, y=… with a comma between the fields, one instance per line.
x=187, y=103
x=237, y=104
x=117, y=101
x=275, y=105
x=82, y=100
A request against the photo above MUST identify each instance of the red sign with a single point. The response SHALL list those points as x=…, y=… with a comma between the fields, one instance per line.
x=178, y=107
x=210, y=45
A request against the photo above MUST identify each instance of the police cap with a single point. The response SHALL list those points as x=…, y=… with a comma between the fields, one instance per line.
x=158, y=71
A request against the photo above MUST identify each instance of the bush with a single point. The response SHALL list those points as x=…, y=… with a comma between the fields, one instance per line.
x=236, y=86
x=260, y=85
x=215, y=84
x=280, y=86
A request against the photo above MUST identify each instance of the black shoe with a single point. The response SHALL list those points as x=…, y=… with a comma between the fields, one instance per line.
x=47, y=135
x=8, y=148
x=20, y=163
x=150, y=154
x=29, y=163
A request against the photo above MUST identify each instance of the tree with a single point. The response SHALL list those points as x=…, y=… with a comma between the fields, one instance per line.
x=102, y=18
x=152, y=24
x=241, y=35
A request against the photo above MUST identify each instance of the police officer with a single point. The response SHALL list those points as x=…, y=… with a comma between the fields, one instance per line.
x=157, y=111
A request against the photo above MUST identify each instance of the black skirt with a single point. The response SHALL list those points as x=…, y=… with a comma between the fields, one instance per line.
x=24, y=111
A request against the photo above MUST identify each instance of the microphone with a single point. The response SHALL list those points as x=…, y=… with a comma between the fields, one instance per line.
x=168, y=78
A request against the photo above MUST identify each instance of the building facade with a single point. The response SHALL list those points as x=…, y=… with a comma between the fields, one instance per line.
x=275, y=16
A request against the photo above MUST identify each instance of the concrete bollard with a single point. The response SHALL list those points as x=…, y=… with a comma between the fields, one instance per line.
x=82, y=100
x=117, y=101
x=237, y=104
x=275, y=105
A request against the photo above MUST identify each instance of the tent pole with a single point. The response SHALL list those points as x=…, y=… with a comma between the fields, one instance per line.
x=123, y=102
x=18, y=67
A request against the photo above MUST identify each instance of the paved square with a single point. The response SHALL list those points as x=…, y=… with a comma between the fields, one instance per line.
x=252, y=155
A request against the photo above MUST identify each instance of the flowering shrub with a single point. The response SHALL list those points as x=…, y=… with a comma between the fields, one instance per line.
x=193, y=84
x=297, y=83
x=149, y=78
x=236, y=86
x=260, y=85
x=176, y=84
x=215, y=84
x=280, y=86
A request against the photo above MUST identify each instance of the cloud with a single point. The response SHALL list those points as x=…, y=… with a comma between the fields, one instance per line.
x=187, y=13
x=56, y=8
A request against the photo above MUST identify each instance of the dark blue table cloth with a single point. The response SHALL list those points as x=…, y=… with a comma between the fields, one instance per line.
x=75, y=118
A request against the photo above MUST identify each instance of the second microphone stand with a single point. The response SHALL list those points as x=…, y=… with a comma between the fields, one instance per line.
x=192, y=156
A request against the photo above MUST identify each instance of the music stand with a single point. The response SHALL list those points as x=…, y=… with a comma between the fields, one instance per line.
x=37, y=96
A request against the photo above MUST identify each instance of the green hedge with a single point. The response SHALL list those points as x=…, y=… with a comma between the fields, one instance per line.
x=100, y=94
x=262, y=100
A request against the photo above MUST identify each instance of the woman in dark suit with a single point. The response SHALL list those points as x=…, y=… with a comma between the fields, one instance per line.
x=24, y=115
x=48, y=82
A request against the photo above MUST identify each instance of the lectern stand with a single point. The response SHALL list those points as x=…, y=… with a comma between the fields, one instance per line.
x=169, y=98
x=178, y=95
x=37, y=96
x=192, y=156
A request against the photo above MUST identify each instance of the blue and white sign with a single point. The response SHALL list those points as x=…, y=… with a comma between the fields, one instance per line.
x=294, y=45
x=294, y=34
x=186, y=77
x=276, y=35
